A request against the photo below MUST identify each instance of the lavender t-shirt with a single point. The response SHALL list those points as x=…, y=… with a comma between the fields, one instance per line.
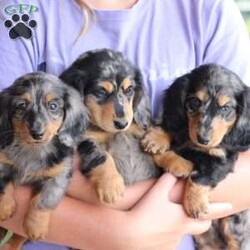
x=164, y=38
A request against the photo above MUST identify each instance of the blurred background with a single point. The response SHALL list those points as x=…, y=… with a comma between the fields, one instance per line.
x=244, y=6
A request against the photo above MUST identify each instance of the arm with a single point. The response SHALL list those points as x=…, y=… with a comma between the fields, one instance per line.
x=99, y=227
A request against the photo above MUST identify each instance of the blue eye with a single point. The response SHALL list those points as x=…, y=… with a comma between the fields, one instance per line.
x=225, y=108
x=53, y=106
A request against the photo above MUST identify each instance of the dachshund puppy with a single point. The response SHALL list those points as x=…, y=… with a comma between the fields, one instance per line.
x=41, y=119
x=119, y=111
x=205, y=122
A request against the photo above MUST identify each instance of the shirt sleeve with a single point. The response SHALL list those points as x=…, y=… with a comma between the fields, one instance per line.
x=21, y=30
x=226, y=38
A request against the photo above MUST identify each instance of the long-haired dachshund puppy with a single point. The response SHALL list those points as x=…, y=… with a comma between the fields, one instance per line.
x=119, y=114
x=41, y=119
x=206, y=122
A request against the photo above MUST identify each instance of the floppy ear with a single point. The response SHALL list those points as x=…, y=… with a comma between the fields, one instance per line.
x=239, y=136
x=174, y=117
x=6, y=130
x=141, y=103
x=75, y=78
x=75, y=118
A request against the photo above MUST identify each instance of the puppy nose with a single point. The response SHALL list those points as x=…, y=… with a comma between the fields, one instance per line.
x=203, y=140
x=36, y=134
x=120, y=124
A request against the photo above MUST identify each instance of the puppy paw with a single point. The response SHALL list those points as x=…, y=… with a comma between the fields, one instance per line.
x=36, y=224
x=173, y=163
x=155, y=141
x=110, y=191
x=7, y=203
x=107, y=181
x=196, y=200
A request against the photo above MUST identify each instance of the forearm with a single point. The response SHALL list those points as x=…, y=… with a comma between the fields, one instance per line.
x=73, y=223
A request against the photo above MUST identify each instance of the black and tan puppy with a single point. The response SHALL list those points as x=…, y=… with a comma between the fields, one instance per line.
x=119, y=114
x=41, y=119
x=205, y=121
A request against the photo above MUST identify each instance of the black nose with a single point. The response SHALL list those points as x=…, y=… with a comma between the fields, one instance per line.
x=37, y=135
x=203, y=140
x=120, y=124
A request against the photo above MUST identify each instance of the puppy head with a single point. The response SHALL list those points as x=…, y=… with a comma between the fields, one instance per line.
x=39, y=106
x=112, y=88
x=208, y=103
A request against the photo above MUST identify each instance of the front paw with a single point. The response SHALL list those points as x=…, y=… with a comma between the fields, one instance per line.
x=107, y=181
x=196, y=200
x=110, y=190
x=174, y=163
x=7, y=203
x=155, y=141
x=36, y=224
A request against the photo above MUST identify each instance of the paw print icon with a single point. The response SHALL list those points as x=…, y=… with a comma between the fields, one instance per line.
x=20, y=26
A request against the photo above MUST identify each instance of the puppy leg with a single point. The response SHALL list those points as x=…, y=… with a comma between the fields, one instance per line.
x=173, y=163
x=51, y=191
x=196, y=199
x=100, y=167
x=7, y=201
x=156, y=141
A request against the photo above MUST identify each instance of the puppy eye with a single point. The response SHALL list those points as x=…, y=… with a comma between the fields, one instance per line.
x=53, y=106
x=101, y=93
x=193, y=104
x=21, y=106
x=225, y=108
x=129, y=91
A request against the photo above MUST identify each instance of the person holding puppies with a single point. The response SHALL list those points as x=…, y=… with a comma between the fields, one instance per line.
x=164, y=39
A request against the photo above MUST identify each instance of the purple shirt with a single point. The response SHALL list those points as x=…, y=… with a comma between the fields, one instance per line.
x=163, y=38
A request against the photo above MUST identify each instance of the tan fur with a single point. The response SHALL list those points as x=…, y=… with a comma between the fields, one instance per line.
x=7, y=202
x=196, y=199
x=156, y=141
x=173, y=163
x=108, y=182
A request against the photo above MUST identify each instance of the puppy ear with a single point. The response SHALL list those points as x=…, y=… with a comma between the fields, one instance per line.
x=174, y=117
x=75, y=78
x=141, y=103
x=239, y=136
x=75, y=118
x=6, y=130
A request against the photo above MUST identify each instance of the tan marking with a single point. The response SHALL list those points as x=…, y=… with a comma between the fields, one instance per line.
x=108, y=86
x=107, y=181
x=99, y=136
x=218, y=152
x=223, y=100
x=103, y=116
x=36, y=221
x=27, y=97
x=7, y=202
x=51, y=172
x=219, y=128
x=50, y=131
x=202, y=95
x=135, y=130
x=196, y=199
x=49, y=97
x=126, y=83
x=4, y=159
x=156, y=141
x=232, y=243
x=173, y=163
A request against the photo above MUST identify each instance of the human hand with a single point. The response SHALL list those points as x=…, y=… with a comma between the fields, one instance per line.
x=159, y=223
